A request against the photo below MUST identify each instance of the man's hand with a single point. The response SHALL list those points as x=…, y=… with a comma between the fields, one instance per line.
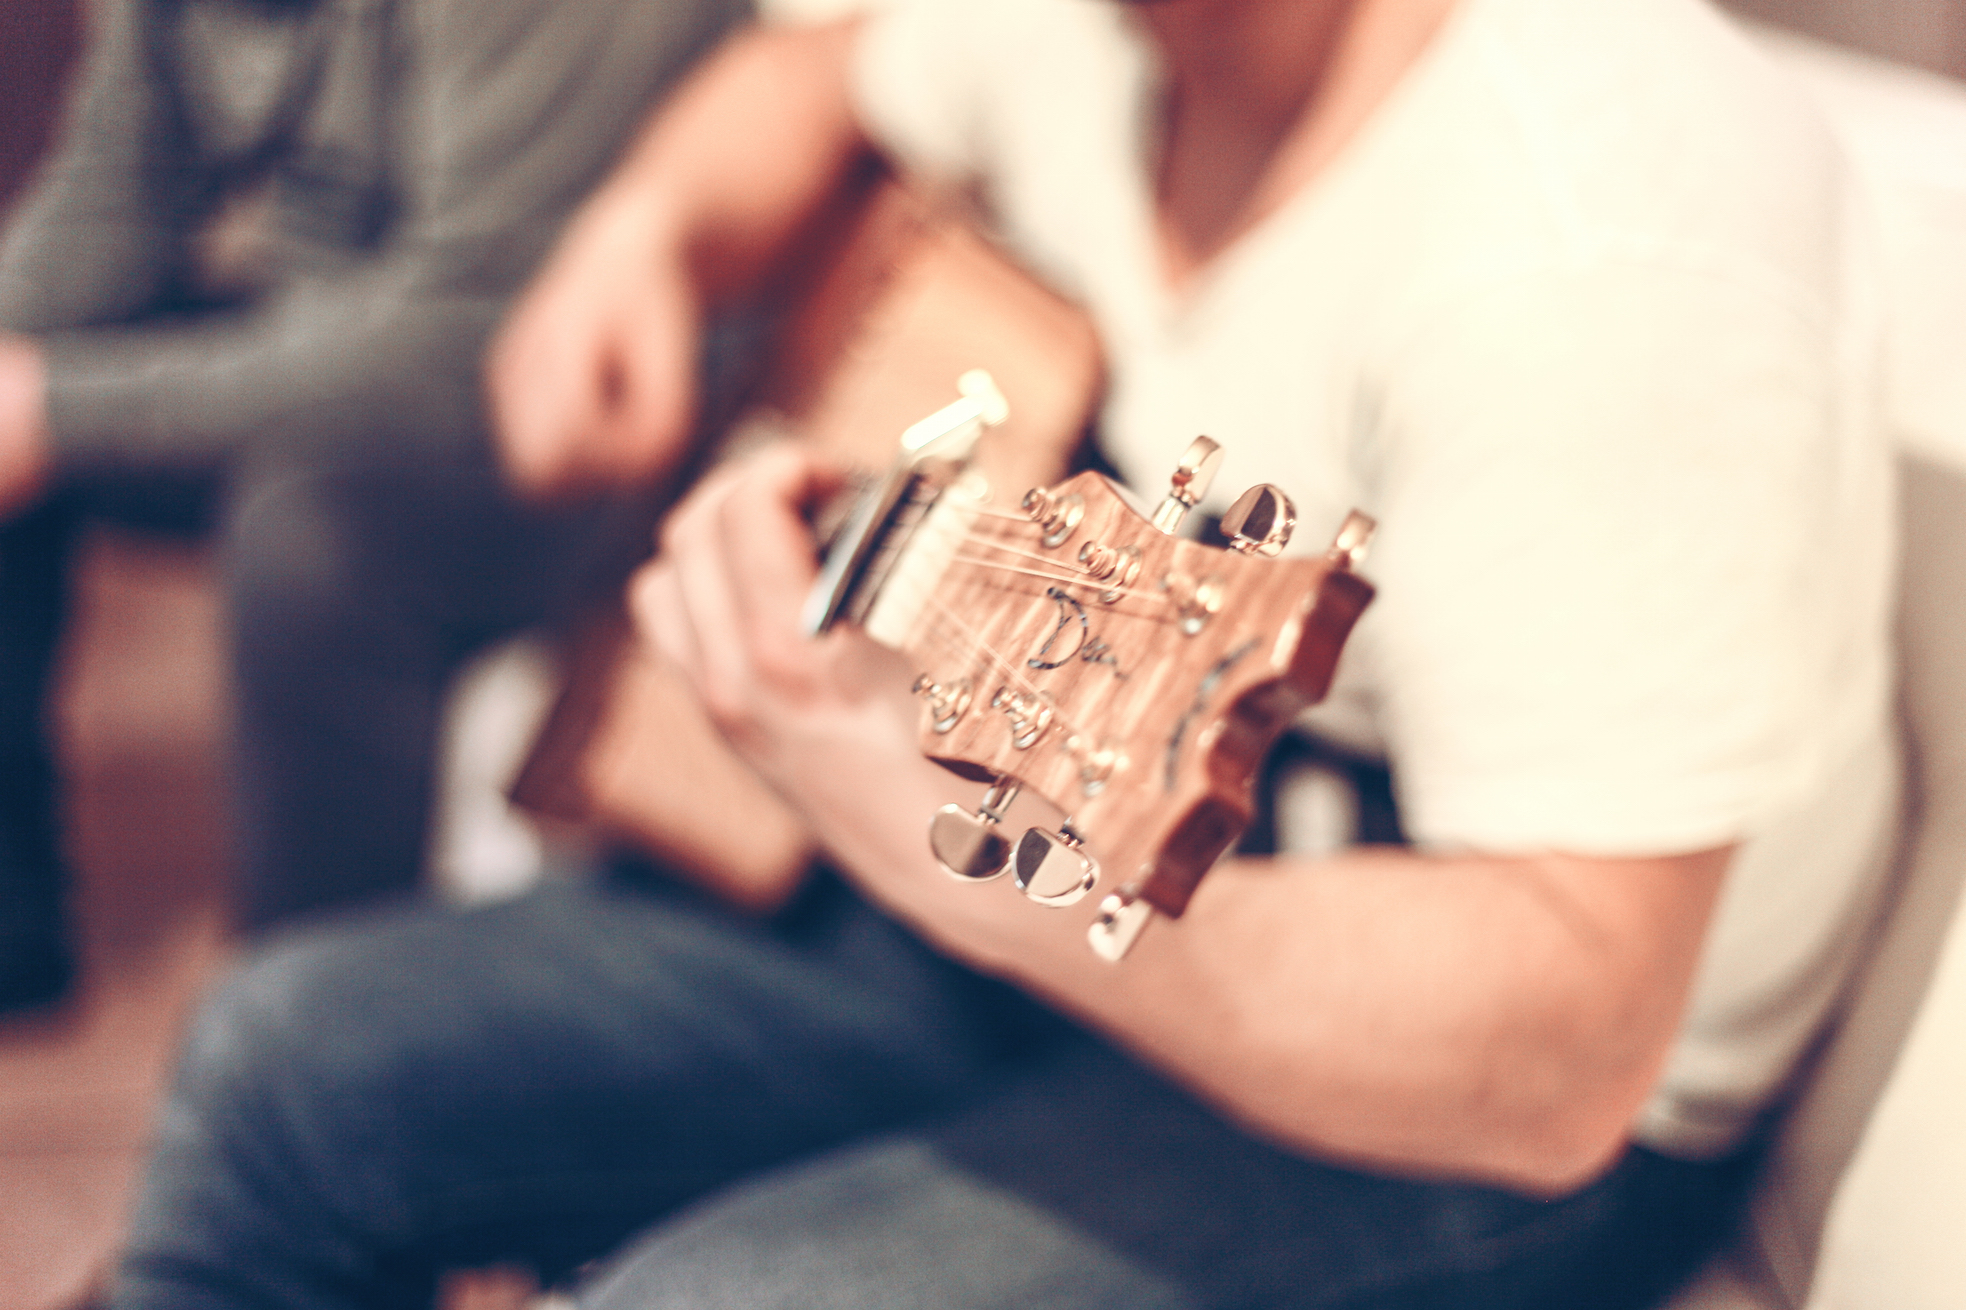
x=24, y=455
x=591, y=380
x=722, y=601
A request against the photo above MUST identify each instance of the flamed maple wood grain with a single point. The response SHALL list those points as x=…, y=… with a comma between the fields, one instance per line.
x=1187, y=716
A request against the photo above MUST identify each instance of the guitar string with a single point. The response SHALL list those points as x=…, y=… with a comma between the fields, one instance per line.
x=1070, y=580
x=984, y=511
x=977, y=646
x=1067, y=579
x=938, y=610
x=967, y=636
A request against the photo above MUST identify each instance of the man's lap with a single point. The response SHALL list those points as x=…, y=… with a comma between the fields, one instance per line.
x=814, y=1109
x=1084, y=1181
x=534, y=1080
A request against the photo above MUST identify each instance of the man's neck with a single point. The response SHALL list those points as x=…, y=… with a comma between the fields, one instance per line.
x=1261, y=94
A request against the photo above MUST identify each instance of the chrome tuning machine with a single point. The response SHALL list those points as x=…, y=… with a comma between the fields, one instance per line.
x=1123, y=916
x=1190, y=482
x=1260, y=522
x=970, y=846
x=1053, y=868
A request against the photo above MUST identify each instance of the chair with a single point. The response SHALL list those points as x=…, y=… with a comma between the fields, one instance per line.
x=1864, y=1203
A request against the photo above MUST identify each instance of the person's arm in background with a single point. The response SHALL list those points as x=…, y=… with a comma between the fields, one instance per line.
x=97, y=237
x=592, y=377
x=506, y=113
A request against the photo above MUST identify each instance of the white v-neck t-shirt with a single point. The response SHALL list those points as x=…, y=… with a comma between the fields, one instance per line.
x=1581, y=316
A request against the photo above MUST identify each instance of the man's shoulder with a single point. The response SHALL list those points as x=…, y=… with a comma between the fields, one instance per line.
x=1657, y=124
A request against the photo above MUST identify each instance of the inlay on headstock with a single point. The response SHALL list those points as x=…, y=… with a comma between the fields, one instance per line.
x=1072, y=646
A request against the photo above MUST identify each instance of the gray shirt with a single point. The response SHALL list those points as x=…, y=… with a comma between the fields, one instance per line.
x=409, y=162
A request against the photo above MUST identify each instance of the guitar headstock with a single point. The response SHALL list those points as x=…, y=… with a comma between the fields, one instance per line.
x=1074, y=648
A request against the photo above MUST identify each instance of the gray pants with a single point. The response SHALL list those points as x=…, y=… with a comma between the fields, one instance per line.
x=354, y=593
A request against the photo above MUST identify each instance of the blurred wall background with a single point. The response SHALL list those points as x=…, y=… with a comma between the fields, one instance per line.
x=1928, y=33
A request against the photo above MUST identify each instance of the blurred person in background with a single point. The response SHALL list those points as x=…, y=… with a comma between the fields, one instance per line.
x=247, y=297
x=1568, y=294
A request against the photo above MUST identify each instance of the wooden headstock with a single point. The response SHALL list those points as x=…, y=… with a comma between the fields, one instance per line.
x=1074, y=648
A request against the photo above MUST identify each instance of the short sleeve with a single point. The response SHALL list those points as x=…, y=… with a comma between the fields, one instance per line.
x=1633, y=571
x=916, y=71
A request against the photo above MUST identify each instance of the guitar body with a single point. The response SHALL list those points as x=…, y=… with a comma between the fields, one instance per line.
x=908, y=298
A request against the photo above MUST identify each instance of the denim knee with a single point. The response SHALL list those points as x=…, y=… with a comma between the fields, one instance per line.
x=286, y=1084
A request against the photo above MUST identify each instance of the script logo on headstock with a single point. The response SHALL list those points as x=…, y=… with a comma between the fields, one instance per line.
x=1088, y=649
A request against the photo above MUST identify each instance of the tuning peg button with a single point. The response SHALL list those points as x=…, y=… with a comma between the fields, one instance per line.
x=1052, y=868
x=1123, y=916
x=972, y=846
x=1261, y=521
x=1354, y=539
x=968, y=846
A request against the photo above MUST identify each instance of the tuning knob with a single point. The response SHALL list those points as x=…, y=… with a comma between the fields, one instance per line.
x=1052, y=868
x=1354, y=539
x=1261, y=521
x=1189, y=483
x=970, y=846
x=1123, y=916
x=946, y=704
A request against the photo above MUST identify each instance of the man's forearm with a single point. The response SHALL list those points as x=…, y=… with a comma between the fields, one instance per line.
x=1494, y=1018
x=751, y=147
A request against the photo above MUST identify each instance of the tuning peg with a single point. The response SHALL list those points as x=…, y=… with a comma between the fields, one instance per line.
x=1354, y=538
x=1123, y=916
x=1261, y=521
x=1052, y=868
x=969, y=846
x=1190, y=482
x=946, y=704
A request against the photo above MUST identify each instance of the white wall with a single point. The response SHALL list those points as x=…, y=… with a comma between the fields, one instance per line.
x=1928, y=33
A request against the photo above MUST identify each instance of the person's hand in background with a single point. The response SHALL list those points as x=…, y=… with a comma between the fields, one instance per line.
x=24, y=457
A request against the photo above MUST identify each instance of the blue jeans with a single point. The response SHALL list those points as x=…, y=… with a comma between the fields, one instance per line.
x=810, y=1111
